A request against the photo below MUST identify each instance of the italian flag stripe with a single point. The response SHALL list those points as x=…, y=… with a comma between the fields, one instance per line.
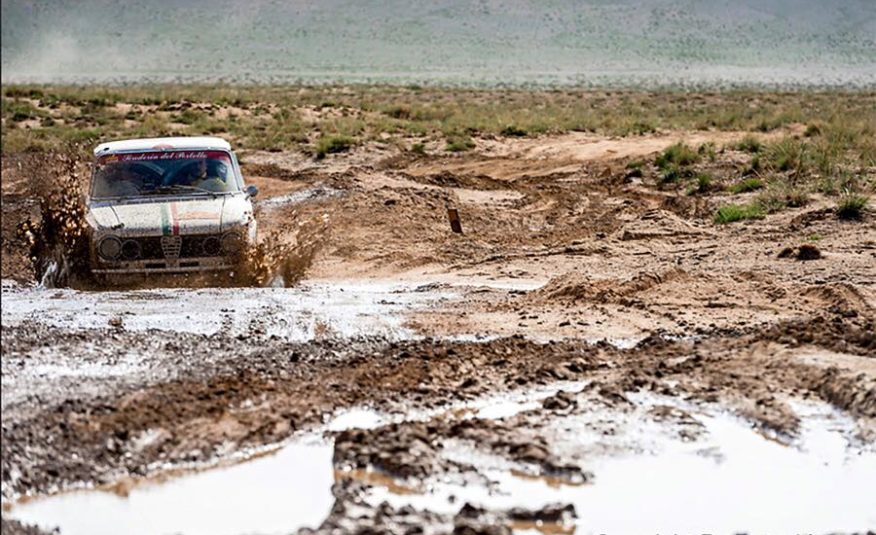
x=174, y=218
x=165, y=221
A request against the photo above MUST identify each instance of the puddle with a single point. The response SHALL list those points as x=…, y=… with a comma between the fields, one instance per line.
x=727, y=479
x=308, y=311
x=358, y=418
x=730, y=480
x=496, y=407
x=273, y=494
x=277, y=492
x=297, y=197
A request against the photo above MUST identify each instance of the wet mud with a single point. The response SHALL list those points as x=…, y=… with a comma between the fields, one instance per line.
x=584, y=326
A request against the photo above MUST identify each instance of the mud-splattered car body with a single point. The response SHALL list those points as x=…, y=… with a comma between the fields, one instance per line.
x=149, y=212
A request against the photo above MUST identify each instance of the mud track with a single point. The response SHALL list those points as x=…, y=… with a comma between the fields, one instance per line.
x=575, y=287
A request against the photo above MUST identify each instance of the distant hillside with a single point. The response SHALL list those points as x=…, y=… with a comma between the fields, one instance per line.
x=487, y=42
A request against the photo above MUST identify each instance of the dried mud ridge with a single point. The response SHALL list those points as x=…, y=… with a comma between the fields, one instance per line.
x=256, y=391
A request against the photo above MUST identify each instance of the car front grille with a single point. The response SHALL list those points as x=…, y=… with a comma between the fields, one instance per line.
x=173, y=247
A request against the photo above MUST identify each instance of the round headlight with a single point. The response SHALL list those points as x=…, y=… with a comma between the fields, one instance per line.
x=109, y=248
x=232, y=243
x=211, y=246
x=131, y=250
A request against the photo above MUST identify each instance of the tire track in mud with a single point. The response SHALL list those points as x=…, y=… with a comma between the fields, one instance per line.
x=256, y=391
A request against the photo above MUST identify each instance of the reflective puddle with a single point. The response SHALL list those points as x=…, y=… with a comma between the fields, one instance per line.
x=721, y=476
x=273, y=494
x=731, y=479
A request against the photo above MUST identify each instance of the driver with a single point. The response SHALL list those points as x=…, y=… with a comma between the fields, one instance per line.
x=210, y=175
x=194, y=174
x=215, y=177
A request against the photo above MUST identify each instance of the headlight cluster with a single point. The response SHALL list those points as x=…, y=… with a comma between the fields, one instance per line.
x=232, y=243
x=112, y=248
x=131, y=250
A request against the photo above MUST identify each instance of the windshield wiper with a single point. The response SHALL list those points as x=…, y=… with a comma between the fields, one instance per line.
x=177, y=188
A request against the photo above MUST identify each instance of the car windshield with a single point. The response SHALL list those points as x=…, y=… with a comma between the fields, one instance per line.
x=137, y=174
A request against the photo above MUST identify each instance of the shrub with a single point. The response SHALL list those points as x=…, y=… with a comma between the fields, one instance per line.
x=678, y=154
x=749, y=184
x=704, y=183
x=513, y=131
x=749, y=144
x=459, y=144
x=670, y=175
x=738, y=212
x=399, y=112
x=851, y=206
x=786, y=154
x=418, y=148
x=796, y=197
x=708, y=150
x=333, y=144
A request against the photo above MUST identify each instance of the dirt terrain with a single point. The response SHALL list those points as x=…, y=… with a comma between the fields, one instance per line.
x=584, y=289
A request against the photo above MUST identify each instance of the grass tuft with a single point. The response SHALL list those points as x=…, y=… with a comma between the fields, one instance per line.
x=749, y=144
x=738, y=212
x=514, y=131
x=747, y=185
x=459, y=143
x=333, y=144
x=851, y=206
x=678, y=154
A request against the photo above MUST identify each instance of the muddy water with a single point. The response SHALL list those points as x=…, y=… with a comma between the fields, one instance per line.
x=308, y=311
x=277, y=493
x=732, y=479
x=724, y=478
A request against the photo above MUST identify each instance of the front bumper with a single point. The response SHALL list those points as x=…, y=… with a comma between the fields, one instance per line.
x=166, y=266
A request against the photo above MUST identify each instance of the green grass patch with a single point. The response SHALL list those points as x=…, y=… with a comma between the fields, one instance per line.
x=749, y=143
x=704, y=183
x=333, y=144
x=747, y=185
x=851, y=206
x=738, y=212
x=679, y=155
x=459, y=143
x=514, y=131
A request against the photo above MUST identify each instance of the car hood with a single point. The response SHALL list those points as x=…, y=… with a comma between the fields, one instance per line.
x=171, y=217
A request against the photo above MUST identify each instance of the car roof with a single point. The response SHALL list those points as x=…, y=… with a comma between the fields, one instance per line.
x=162, y=143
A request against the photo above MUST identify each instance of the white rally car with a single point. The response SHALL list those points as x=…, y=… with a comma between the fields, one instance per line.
x=168, y=205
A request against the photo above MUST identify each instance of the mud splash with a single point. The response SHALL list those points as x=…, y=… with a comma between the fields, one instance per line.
x=57, y=242
x=284, y=255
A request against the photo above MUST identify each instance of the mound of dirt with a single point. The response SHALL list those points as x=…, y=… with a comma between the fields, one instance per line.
x=804, y=252
x=658, y=224
x=841, y=298
x=576, y=286
x=447, y=179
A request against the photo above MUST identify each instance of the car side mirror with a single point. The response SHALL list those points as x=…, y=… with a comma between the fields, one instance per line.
x=251, y=191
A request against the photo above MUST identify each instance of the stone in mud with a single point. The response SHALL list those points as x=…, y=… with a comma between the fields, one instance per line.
x=808, y=252
x=14, y=527
x=560, y=401
x=787, y=252
x=473, y=520
x=554, y=513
